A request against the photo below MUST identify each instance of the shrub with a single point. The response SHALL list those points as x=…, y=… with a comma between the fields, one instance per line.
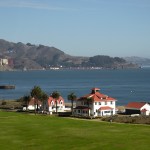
x=4, y=102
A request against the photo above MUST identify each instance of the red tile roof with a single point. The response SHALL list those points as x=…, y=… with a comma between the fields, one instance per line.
x=34, y=101
x=136, y=105
x=105, y=108
x=97, y=96
x=50, y=99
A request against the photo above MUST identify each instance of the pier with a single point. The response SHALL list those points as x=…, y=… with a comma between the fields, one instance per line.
x=7, y=86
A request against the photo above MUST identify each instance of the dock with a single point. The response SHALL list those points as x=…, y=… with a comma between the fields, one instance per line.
x=7, y=86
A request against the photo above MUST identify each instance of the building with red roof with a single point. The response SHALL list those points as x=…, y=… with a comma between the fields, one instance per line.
x=138, y=108
x=95, y=104
x=48, y=105
x=51, y=104
x=34, y=104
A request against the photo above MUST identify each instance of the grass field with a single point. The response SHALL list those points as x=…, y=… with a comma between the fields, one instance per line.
x=38, y=132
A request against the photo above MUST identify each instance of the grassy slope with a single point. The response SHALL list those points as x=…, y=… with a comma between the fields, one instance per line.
x=23, y=131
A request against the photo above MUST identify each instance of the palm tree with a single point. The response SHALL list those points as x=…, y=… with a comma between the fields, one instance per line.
x=56, y=96
x=72, y=97
x=36, y=93
x=26, y=100
x=88, y=100
x=44, y=98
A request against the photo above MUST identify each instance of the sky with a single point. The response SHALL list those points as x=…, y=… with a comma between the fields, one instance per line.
x=80, y=27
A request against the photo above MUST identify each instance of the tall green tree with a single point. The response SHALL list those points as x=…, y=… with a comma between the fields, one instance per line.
x=72, y=97
x=44, y=98
x=36, y=93
x=56, y=96
x=26, y=100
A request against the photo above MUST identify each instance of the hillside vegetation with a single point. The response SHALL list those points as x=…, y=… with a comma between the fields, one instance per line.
x=31, y=56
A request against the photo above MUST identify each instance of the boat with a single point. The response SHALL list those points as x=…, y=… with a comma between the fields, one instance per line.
x=7, y=86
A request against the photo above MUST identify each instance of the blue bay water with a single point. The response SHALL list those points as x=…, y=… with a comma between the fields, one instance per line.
x=124, y=85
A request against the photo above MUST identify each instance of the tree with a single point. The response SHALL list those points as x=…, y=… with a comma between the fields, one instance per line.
x=72, y=97
x=88, y=100
x=26, y=100
x=36, y=93
x=44, y=98
x=56, y=96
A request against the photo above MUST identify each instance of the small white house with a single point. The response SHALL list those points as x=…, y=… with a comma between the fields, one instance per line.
x=34, y=103
x=52, y=104
x=138, y=108
x=95, y=104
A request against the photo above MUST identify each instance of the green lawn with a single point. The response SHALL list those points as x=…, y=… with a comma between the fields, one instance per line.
x=36, y=132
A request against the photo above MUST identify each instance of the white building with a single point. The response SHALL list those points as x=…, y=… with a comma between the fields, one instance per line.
x=138, y=108
x=33, y=104
x=95, y=104
x=52, y=105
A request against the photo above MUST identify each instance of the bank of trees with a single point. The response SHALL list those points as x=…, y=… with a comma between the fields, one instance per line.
x=103, y=61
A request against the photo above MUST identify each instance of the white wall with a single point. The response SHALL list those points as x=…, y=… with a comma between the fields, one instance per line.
x=146, y=106
x=95, y=108
x=32, y=107
x=108, y=103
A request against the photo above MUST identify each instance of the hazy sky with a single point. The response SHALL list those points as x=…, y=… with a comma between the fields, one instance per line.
x=79, y=27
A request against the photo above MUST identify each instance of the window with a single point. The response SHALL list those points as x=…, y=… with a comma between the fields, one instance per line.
x=95, y=103
x=99, y=103
x=107, y=111
x=111, y=102
x=96, y=110
x=78, y=111
x=85, y=103
x=105, y=103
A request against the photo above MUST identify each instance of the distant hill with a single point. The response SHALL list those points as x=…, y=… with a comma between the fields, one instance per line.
x=138, y=60
x=32, y=56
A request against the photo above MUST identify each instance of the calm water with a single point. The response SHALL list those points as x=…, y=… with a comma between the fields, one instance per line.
x=124, y=85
